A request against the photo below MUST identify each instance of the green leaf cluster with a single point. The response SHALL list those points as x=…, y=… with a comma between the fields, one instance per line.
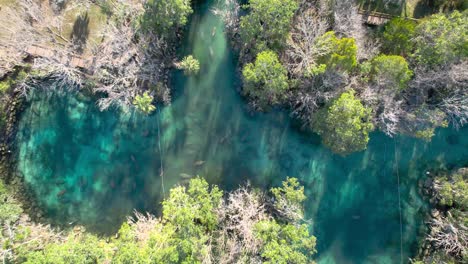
x=285, y=243
x=391, y=69
x=187, y=232
x=289, y=198
x=442, y=39
x=266, y=79
x=337, y=53
x=83, y=249
x=189, y=65
x=144, y=103
x=166, y=16
x=267, y=24
x=345, y=124
x=454, y=190
x=397, y=36
x=10, y=209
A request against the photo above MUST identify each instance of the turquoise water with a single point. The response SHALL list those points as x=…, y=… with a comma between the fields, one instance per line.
x=94, y=168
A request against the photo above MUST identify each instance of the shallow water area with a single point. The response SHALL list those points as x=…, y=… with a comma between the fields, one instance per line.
x=94, y=168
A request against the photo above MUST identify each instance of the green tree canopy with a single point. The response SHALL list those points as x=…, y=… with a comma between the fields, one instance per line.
x=189, y=65
x=344, y=125
x=266, y=79
x=267, y=24
x=289, y=199
x=442, y=39
x=144, y=103
x=166, y=16
x=337, y=53
x=391, y=70
x=397, y=36
x=285, y=244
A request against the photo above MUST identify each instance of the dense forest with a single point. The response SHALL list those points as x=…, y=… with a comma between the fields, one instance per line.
x=338, y=75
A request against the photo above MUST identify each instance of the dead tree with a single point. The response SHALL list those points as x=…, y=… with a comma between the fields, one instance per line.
x=348, y=22
x=301, y=53
x=240, y=212
x=444, y=88
x=129, y=59
x=450, y=235
x=229, y=13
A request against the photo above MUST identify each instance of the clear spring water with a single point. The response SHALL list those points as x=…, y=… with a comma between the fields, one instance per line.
x=94, y=168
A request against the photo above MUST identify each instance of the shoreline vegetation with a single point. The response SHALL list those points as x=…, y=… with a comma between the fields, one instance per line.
x=410, y=74
x=324, y=65
x=199, y=224
x=447, y=239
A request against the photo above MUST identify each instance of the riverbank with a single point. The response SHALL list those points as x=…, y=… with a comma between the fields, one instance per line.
x=446, y=240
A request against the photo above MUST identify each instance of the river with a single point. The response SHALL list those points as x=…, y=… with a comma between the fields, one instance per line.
x=94, y=168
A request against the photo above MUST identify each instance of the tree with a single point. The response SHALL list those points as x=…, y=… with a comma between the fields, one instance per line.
x=84, y=249
x=265, y=80
x=301, y=53
x=285, y=244
x=391, y=71
x=449, y=234
x=10, y=209
x=340, y=53
x=166, y=16
x=345, y=125
x=442, y=39
x=144, y=103
x=289, y=198
x=398, y=35
x=267, y=24
x=189, y=65
x=192, y=212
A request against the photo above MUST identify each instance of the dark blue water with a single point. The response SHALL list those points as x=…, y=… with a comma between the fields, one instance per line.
x=94, y=168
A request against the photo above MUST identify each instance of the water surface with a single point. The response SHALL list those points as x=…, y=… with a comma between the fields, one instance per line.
x=94, y=168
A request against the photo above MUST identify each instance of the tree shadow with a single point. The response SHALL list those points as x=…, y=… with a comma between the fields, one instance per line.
x=424, y=8
x=80, y=32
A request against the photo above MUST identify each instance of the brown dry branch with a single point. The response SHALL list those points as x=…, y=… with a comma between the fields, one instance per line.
x=229, y=13
x=387, y=106
x=316, y=92
x=34, y=236
x=128, y=60
x=301, y=53
x=449, y=235
x=143, y=224
x=444, y=88
x=348, y=22
x=241, y=211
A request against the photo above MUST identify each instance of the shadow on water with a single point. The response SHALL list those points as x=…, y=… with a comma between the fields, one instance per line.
x=109, y=163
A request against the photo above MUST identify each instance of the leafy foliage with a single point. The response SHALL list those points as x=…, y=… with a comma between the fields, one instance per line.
x=266, y=79
x=285, y=244
x=166, y=16
x=345, y=125
x=82, y=249
x=289, y=199
x=144, y=103
x=196, y=226
x=442, y=39
x=268, y=23
x=189, y=65
x=391, y=70
x=10, y=209
x=397, y=36
x=337, y=53
x=454, y=191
